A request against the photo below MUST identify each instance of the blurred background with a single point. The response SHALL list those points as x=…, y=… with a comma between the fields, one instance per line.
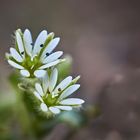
x=103, y=38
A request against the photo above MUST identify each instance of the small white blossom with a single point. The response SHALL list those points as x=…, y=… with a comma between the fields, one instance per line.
x=33, y=59
x=53, y=97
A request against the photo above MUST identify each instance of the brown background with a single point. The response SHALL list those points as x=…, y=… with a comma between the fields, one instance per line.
x=103, y=37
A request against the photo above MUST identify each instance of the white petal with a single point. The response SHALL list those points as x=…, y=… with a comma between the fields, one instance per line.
x=19, y=42
x=64, y=107
x=51, y=64
x=72, y=101
x=69, y=91
x=44, y=107
x=15, y=65
x=27, y=37
x=39, y=89
x=39, y=41
x=39, y=73
x=53, y=79
x=63, y=84
x=38, y=96
x=16, y=55
x=25, y=73
x=45, y=83
x=51, y=46
x=54, y=110
x=52, y=57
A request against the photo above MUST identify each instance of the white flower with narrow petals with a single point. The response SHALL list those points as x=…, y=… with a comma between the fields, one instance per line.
x=53, y=97
x=33, y=59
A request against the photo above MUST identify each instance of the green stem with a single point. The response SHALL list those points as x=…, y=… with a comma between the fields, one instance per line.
x=21, y=111
x=24, y=118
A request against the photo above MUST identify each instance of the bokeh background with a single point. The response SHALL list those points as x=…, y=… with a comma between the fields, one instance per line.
x=103, y=38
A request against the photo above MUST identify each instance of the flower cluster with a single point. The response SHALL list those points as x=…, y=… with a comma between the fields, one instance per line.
x=54, y=98
x=37, y=60
x=32, y=59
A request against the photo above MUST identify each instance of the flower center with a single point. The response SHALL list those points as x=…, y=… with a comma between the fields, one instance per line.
x=31, y=65
x=49, y=100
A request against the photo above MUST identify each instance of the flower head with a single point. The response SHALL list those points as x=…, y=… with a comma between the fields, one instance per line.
x=53, y=97
x=32, y=59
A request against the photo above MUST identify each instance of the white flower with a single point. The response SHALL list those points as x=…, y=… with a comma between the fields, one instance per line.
x=33, y=60
x=53, y=97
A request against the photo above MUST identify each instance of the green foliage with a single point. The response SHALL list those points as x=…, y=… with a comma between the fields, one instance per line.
x=21, y=119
